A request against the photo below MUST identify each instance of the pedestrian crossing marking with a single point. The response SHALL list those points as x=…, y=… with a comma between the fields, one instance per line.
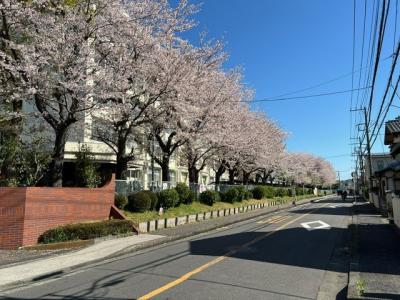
x=315, y=225
x=273, y=220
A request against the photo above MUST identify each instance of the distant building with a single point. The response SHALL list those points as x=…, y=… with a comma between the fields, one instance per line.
x=392, y=137
x=379, y=162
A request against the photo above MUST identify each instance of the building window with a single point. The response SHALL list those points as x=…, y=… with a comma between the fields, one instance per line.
x=134, y=174
x=156, y=176
x=184, y=177
x=172, y=176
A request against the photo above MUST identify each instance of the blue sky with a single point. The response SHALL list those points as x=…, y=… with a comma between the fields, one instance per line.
x=287, y=45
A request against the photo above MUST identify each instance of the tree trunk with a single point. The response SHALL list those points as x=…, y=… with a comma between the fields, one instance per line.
x=232, y=173
x=192, y=169
x=193, y=174
x=165, y=167
x=264, y=177
x=246, y=177
x=122, y=166
x=57, y=163
x=122, y=159
x=218, y=174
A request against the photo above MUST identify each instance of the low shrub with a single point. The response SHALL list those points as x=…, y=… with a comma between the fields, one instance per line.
x=299, y=191
x=154, y=199
x=85, y=231
x=168, y=198
x=222, y=196
x=231, y=195
x=241, y=193
x=258, y=192
x=209, y=197
x=269, y=192
x=183, y=192
x=248, y=195
x=139, y=201
x=120, y=201
x=290, y=193
x=280, y=192
x=192, y=197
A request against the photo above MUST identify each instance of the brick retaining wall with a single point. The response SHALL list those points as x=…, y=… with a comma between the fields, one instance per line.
x=27, y=212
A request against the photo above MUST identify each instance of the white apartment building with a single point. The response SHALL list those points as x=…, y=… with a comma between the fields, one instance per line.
x=140, y=169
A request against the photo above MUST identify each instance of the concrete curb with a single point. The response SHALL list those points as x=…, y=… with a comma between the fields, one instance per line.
x=354, y=274
x=154, y=225
x=148, y=244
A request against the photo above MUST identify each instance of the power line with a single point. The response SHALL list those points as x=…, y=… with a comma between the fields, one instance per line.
x=382, y=27
x=352, y=68
x=320, y=84
x=362, y=58
x=394, y=63
x=371, y=46
x=395, y=26
x=339, y=155
x=388, y=107
x=307, y=96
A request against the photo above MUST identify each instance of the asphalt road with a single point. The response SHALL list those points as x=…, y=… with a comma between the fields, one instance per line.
x=269, y=257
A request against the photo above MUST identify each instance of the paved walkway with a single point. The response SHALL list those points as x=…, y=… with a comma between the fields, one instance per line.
x=37, y=269
x=375, y=264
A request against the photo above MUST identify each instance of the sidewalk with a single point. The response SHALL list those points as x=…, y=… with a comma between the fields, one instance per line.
x=375, y=262
x=52, y=267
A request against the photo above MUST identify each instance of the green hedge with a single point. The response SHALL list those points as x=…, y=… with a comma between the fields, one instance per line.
x=241, y=193
x=248, y=195
x=258, y=192
x=185, y=194
x=280, y=192
x=86, y=231
x=269, y=192
x=262, y=191
x=209, y=197
x=120, y=201
x=231, y=195
x=154, y=199
x=139, y=201
x=168, y=198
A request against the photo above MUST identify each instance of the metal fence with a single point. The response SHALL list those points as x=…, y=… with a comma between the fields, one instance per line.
x=125, y=187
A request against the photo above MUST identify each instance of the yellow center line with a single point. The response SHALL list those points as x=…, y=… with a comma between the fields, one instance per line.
x=186, y=276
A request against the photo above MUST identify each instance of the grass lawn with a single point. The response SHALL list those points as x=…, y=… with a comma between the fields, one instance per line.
x=197, y=207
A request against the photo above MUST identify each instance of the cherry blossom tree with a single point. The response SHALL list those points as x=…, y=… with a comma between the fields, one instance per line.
x=183, y=110
x=216, y=103
x=137, y=75
x=307, y=169
x=67, y=57
x=251, y=142
x=52, y=61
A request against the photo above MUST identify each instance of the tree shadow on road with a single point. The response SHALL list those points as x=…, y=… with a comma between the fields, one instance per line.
x=328, y=210
x=291, y=247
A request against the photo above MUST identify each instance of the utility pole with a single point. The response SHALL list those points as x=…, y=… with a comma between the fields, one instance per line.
x=368, y=150
x=338, y=173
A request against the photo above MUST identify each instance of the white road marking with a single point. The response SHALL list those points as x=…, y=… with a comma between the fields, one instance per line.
x=315, y=225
